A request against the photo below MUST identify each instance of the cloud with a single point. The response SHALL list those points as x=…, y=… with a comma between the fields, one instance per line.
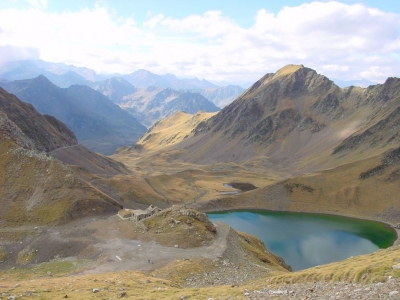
x=11, y=53
x=38, y=3
x=336, y=39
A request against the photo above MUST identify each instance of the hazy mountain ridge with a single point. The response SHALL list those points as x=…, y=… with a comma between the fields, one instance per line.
x=114, y=88
x=143, y=79
x=220, y=96
x=151, y=104
x=98, y=123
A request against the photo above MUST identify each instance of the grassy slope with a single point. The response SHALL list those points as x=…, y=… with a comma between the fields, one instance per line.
x=37, y=189
x=336, y=191
x=139, y=285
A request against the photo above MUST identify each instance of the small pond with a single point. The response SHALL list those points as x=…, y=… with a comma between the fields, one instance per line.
x=307, y=240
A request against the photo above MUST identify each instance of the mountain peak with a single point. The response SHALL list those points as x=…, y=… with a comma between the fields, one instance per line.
x=287, y=70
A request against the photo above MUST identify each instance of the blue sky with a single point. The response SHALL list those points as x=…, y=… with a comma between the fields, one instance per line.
x=233, y=41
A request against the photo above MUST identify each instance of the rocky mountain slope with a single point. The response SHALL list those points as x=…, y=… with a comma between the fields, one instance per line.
x=171, y=130
x=98, y=123
x=17, y=119
x=300, y=118
x=35, y=188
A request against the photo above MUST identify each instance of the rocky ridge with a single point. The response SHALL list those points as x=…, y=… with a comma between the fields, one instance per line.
x=23, y=124
x=98, y=123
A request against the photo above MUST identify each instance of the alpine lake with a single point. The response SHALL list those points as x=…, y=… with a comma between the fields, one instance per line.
x=306, y=240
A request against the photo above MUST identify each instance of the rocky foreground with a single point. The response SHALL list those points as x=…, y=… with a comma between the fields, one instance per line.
x=330, y=290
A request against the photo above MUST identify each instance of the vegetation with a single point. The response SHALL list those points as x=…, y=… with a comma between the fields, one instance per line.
x=290, y=186
x=26, y=256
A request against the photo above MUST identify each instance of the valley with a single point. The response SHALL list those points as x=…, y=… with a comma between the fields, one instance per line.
x=294, y=141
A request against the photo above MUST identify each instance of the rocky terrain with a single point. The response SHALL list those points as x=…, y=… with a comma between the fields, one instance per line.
x=16, y=119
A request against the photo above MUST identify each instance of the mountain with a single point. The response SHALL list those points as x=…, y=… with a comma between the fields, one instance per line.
x=364, y=83
x=296, y=115
x=143, y=78
x=27, y=69
x=67, y=79
x=306, y=145
x=152, y=104
x=98, y=123
x=22, y=124
x=115, y=88
x=63, y=75
x=220, y=96
x=35, y=188
x=171, y=130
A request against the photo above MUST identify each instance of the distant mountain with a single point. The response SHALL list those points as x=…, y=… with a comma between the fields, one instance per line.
x=152, y=104
x=115, y=88
x=27, y=69
x=67, y=79
x=221, y=96
x=347, y=83
x=143, y=78
x=98, y=123
x=64, y=76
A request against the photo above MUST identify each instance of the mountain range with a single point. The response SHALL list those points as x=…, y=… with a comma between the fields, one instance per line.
x=148, y=105
x=309, y=144
x=98, y=123
x=64, y=75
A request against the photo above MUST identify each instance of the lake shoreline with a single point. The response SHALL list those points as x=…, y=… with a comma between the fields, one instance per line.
x=391, y=225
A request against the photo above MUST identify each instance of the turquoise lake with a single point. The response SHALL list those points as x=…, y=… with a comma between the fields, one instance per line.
x=307, y=240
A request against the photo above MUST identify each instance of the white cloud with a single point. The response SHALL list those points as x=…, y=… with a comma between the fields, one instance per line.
x=37, y=3
x=338, y=40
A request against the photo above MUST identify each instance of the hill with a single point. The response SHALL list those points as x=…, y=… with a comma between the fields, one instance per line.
x=98, y=123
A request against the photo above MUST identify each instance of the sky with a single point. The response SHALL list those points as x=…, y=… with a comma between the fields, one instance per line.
x=227, y=40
